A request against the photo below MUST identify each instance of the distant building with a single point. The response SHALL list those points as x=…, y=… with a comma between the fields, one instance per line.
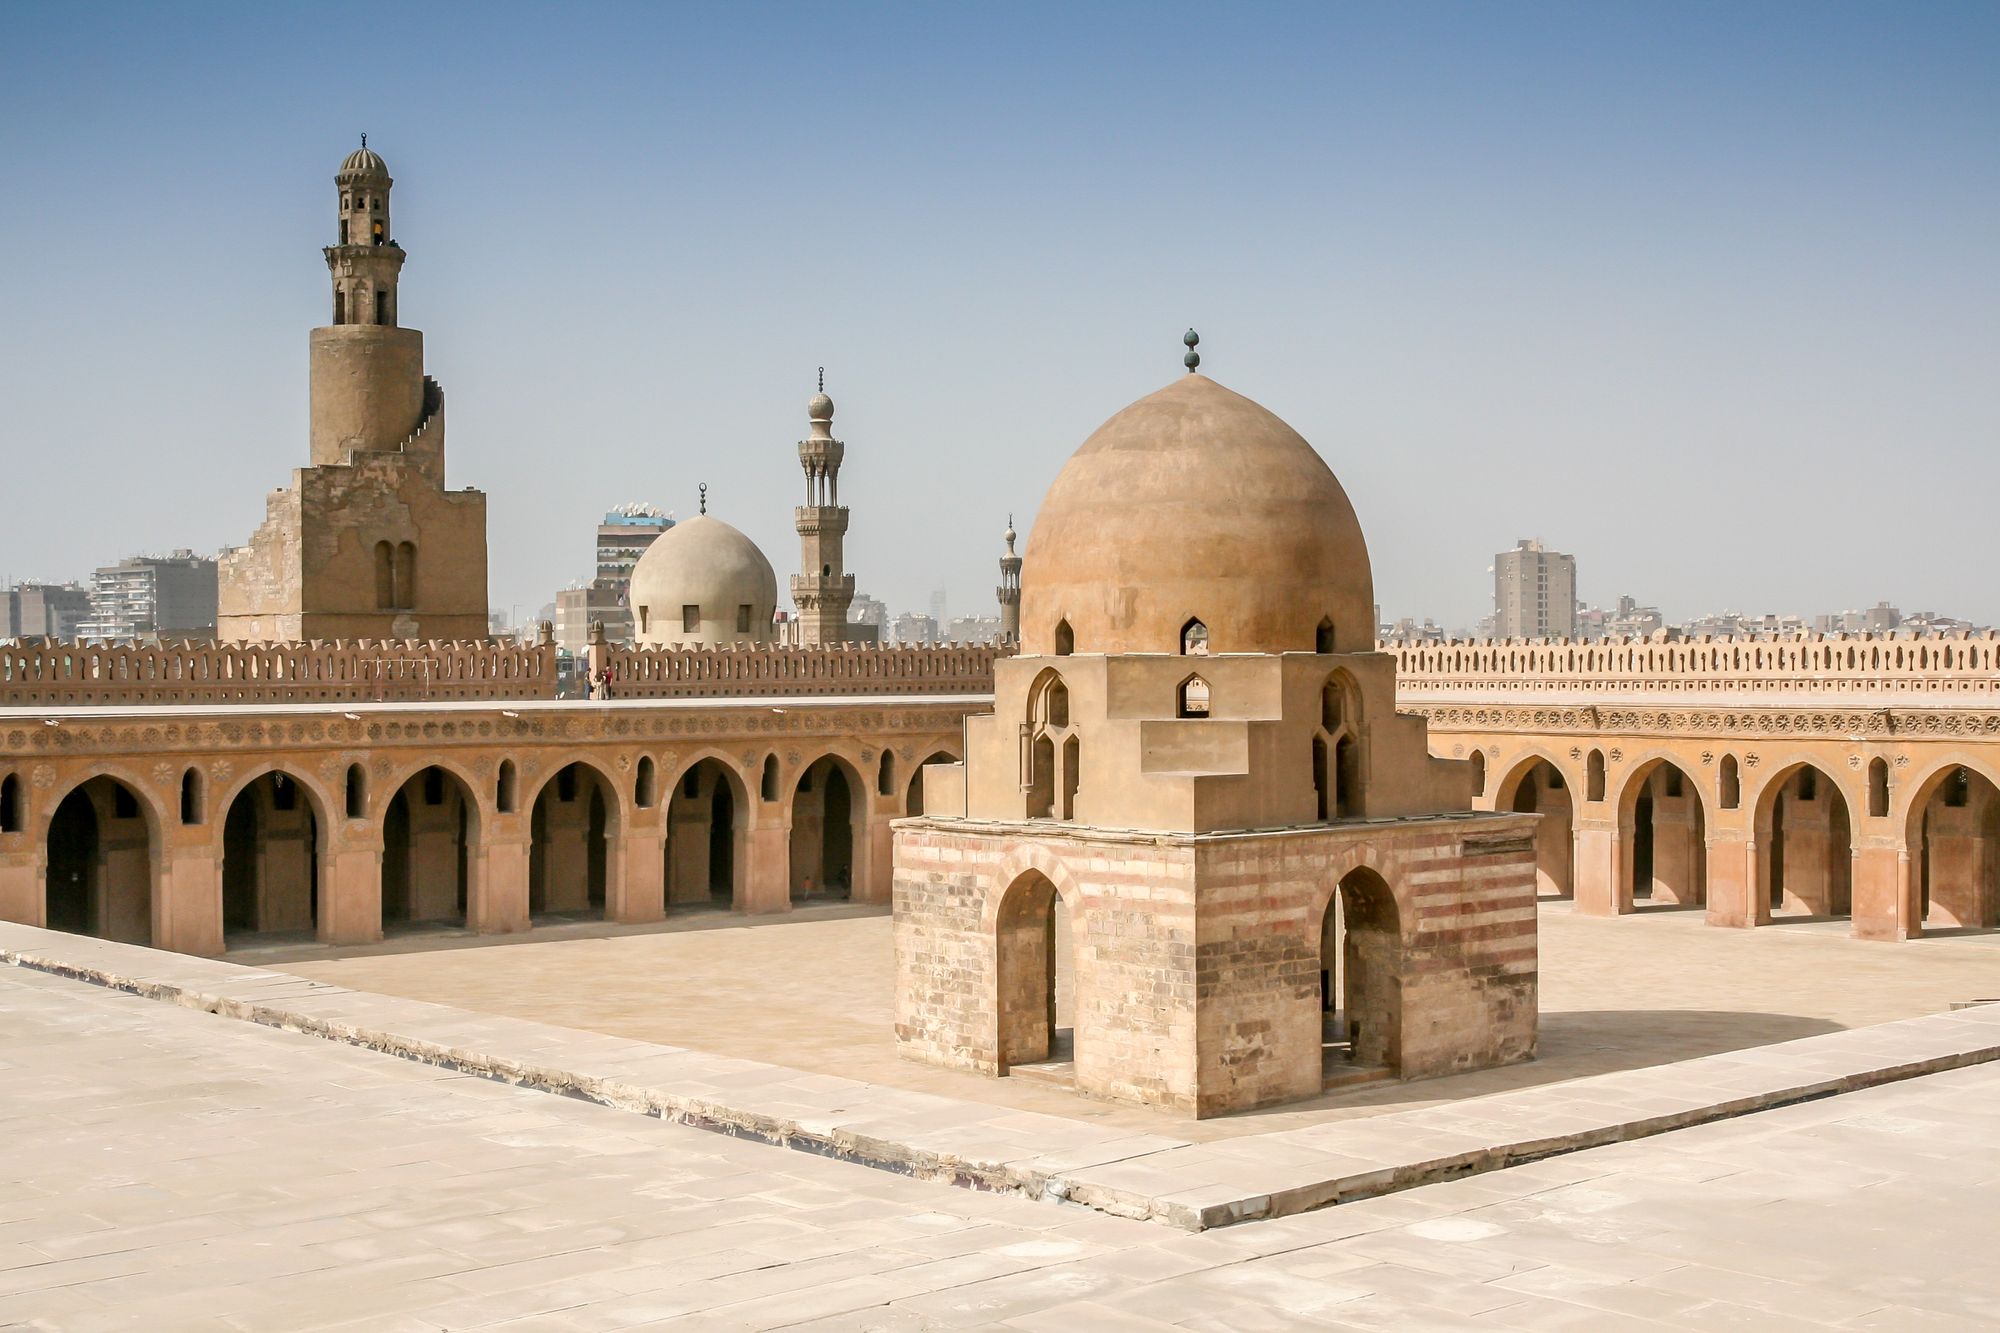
x=1627, y=620
x=1877, y=619
x=1534, y=593
x=1408, y=630
x=152, y=597
x=868, y=610
x=973, y=629
x=43, y=610
x=938, y=616
x=913, y=628
x=624, y=534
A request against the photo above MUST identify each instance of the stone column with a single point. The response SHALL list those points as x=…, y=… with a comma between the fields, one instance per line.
x=874, y=852
x=188, y=916
x=1602, y=867
x=1885, y=891
x=635, y=868
x=765, y=876
x=1733, y=899
x=23, y=882
x=497, y=897
x=350, y=894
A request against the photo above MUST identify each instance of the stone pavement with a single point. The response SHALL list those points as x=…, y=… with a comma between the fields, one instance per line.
x=815, y=991
x=1156, y=1177
x=168, y=1169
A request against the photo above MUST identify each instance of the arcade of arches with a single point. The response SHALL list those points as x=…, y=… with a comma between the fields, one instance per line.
x=1899, y=837
x=342, y=828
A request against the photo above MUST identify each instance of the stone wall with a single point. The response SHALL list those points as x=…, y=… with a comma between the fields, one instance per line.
x=1197, y=958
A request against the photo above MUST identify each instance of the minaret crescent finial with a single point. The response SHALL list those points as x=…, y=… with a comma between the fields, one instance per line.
x=704, y=497
x=364, y=138
x=822, y=379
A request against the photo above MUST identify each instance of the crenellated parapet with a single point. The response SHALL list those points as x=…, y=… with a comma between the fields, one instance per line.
x=67, y=675
x=1853, y=666
x=724, y=672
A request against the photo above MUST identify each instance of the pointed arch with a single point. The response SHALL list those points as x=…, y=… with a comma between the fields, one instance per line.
x=885, y=774
x=643, y=793
x=191, y=795
x=1191, y=698
x=1065, y=639
x=767, y=786
x=1323, y=640
x=1194, y=638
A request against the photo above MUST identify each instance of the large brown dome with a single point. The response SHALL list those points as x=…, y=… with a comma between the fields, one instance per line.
x=1196, y=503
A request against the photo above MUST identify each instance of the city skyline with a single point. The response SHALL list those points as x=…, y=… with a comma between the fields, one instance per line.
x=1675, y=284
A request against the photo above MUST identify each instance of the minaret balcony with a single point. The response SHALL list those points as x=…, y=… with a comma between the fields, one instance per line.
x=820, y=520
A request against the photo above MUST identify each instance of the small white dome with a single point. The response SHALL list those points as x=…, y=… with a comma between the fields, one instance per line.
x=364, y=161
x=702, y=583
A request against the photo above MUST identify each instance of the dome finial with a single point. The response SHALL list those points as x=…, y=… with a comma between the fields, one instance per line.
x=364, y=138
x=822, y=379
x=704, y=497
x=1193, y=358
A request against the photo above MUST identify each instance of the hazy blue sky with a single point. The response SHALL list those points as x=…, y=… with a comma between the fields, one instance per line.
x=1706, y=294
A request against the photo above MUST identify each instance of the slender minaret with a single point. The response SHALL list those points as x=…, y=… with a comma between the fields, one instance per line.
x=1010, y=590
x=822, y=589
x=367, y=372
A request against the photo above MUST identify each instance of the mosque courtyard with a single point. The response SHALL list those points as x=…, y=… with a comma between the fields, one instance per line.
x=176, y=1170
x=814, y=991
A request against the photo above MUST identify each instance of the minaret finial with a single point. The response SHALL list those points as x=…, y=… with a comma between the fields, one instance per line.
x=704, y=497
x=1193, y=358
x=364, y=138
x=822, y=379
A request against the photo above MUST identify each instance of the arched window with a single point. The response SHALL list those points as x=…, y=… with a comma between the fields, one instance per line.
x=642, y=783
x=1479, y=772
x=1878, y=788
x=1322, y=785
x=1072, y=766
x=11, y=817
x=503, y=790
x=385, y=576
x=357, y=792
x=191, y=796
x=1194, y=639
x=1323, y=637
x=1333, y=706
x=1193, y=698
x=1730, y=793
x=1594, y=777
x=406, y=575
x=1065, y=639
x=1055, y=703
x=885, y=776
x=768, y=788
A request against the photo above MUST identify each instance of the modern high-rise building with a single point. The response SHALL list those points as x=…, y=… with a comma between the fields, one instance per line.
x=622, y=538
x=43, y=610
x=152, y=597
x=1534, y=593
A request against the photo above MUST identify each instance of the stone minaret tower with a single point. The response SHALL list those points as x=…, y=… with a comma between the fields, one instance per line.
x=1010, y=589
x=821, y=589
x=366, y=543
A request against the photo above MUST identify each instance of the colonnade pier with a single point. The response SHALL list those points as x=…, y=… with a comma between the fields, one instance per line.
x=203, y=828
x=1758, y=779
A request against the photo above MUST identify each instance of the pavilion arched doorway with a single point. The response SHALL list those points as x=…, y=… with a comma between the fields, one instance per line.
x=1036, y=975
x=1360, y=991
x=99, y=879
